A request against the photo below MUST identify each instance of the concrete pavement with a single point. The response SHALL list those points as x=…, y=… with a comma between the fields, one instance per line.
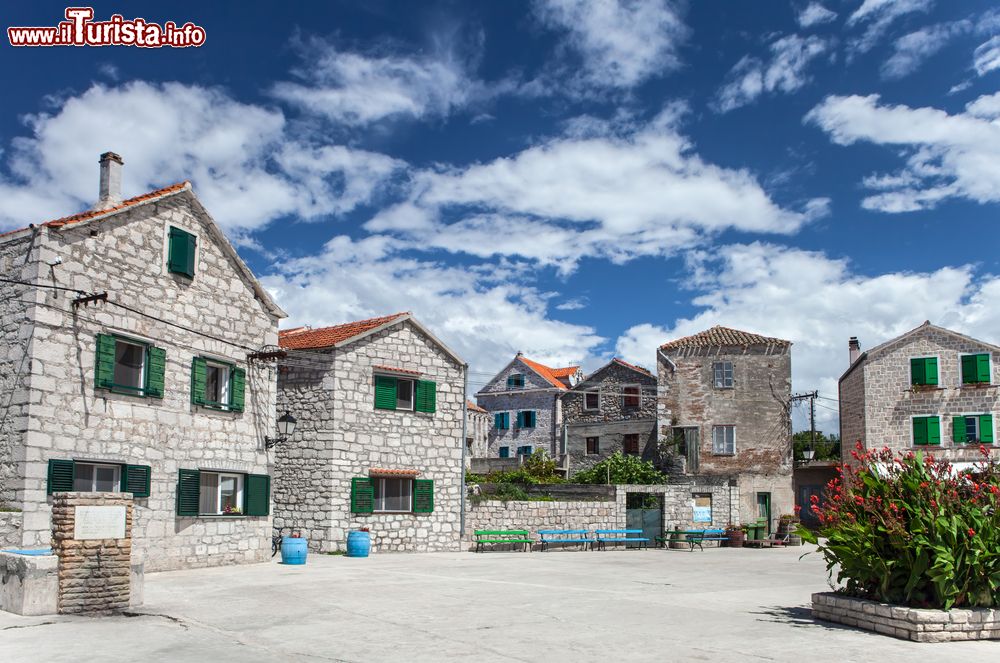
x=718, y=605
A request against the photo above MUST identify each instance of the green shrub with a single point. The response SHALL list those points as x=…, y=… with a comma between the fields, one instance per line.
x=908, y=530
x=621, y=468
x=537, y=468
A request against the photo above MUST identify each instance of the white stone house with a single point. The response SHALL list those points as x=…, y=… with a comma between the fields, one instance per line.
x=524, y=401
x=380, y=406
x=124, y=356
x=477, y=432
x=931, y=388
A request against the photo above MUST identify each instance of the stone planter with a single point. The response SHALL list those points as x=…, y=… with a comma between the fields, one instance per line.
x=679, y=542
x=916, y=624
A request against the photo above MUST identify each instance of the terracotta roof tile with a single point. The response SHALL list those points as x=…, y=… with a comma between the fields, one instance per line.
x=302, y=338
x=632, y=366
x=552, y=375
x=719, y=335
x=388, y=472
x=393, y=369
x=90, y=214
x=474, y=408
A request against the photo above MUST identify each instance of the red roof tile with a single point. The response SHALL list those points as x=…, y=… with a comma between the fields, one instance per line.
x=551, y=374
x=393, y=369
x=473, y=407
x=388, y=472
x=719, y=335
x=301, y=338
x=90, y=214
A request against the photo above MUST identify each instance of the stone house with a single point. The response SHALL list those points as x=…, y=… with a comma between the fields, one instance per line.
x=524, y=401
x=127, y=359
x=612, y=409
x=380, y=405
x=931, y=388
x=723, y=415
x=477, y=432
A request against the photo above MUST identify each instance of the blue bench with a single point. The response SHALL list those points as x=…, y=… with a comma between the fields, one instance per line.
x=626, y=536
x=695, y=537
x=550, y=536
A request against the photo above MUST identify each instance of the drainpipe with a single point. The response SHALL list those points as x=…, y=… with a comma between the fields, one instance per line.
x=465, y=423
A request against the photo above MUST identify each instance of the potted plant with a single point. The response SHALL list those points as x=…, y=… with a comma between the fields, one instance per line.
x=788, y=524
x=736, y=535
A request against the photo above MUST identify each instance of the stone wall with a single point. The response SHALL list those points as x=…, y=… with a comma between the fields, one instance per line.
x=757, y=405
x=851, y=400
x=477, y=434
x=125, y=255
x=342, y=436
x=538, y=394
x=10, y=529
x=890, y=402
x=94, y=574
x=29, y=584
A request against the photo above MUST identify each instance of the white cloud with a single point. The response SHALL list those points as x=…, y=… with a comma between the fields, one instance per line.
x=911, y=50
x=643, y=193
x=818, y=302
x=621, y=42
x=480, y=311
x=947, y=156
x=878, y=16
x=815, y=14
x=574, y=304
x=784, y=72
x=358, y=89
x=986, y=57
x=244, y=165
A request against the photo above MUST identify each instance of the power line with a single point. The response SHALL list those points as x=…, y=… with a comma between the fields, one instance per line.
x=42, y=285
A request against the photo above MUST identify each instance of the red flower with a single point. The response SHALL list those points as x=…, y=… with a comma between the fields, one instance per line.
x=924, y=484
x=797, y=508
x=814, y=499
x=972, y=532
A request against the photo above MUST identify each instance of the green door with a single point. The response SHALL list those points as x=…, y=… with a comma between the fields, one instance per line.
x=764, y=511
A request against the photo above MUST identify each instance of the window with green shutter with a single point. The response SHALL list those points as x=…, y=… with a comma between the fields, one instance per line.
x=924, y=371
x=504, y=452
x=926, y=430
x=257, y=495
x=972, y=429
x=515, y=381
x=501, y=420
x=426, y=396
x=61, y=476
x=181, y=252
x=423, y=495
x=385, y=392
x=218, y=385
x=188, y=492
x=128, y=366
x=199, y=380
x=104, y=362
x=976, y=369
x=157, y=369
x=526, y=419
x=237, y=389
x=362, y=495
x=136, y=480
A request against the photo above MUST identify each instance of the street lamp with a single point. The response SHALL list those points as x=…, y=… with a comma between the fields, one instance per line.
x=286, y=426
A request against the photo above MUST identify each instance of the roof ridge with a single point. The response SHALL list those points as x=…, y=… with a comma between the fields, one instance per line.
x=300, y=338
x=722, y=335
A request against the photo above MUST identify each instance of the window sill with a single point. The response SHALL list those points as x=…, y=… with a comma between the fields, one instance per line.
x=978, y=385
x=724, y=455
x=127, y=391
x=922, y=388
x=231, y=516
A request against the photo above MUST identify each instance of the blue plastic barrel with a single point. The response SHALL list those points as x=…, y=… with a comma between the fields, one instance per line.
x=358, y=544
x=293, y=550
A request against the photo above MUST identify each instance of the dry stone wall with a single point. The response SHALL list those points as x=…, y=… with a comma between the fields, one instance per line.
x=10, y=529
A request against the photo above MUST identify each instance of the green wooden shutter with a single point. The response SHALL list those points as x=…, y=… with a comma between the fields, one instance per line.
x=362, y=495
x=931, y=370
x=199, y=378
x=986, y=428
x=529, y=419
x=920, y=430
x=423, y=495
x=426, y=396
x=157, y=358
x=917, y=371
x=498, y=421
x=188, y=492
x=237, y=389
x=504, y=452
x=104, y=362
x=983, y=369
x=933, y=430
x=61, y=476
x=257, y=501
x=968, y=369
x=520, y=419
x=180, y=253
x=136, y=480
x=958, y=431
x=385, y=392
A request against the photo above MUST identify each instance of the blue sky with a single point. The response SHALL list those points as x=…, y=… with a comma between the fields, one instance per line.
x=570, y=178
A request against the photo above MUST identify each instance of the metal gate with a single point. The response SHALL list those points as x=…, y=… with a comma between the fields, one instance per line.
x=644, y=511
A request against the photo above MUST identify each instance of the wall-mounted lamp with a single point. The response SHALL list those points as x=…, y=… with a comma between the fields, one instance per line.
x=286, y=426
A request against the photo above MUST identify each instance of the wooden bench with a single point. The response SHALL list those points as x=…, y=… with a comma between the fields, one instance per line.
x=625, y=536
x=694, y=537
x=554, y=536
x=512, y=537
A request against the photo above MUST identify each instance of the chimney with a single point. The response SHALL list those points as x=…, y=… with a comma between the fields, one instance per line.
x=111, y=181
x=854, y=349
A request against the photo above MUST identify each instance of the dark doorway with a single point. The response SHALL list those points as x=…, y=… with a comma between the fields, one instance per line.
x=644, y=511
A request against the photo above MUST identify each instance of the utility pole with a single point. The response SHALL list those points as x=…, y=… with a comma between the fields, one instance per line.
x=812, y=396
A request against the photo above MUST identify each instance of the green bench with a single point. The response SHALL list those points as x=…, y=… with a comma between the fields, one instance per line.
x=692, y=537
x=511, y=537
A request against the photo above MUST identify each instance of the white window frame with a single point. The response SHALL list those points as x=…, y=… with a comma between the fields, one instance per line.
x=93, y=479
x=724, y=428
x=218, y=492
x=637, y=396
x=381, y=490
x=940, y=419
x=968, y=354
x=226, y=391
x=596, y=394
x=940, y=382
x=141, y=389
x=400, y=405
x=732, y=375
x=974, y=415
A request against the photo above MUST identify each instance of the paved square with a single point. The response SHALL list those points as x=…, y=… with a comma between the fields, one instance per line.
x=718, y=605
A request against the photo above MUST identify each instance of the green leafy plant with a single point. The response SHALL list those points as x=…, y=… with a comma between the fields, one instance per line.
x=907, y=529
x=537, y=468
x=621, y=468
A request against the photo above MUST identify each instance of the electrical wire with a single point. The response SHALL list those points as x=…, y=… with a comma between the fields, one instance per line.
x=42, y=285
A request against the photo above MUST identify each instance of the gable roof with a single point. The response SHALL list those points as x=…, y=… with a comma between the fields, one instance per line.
x=181, y=189
x=336, y=336
x=719, y=335
x=472, y=407
x=638, y=369
x=621, y=362
x=550, y=375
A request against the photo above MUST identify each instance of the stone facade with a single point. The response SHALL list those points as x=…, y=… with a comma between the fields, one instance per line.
x=540, y=394
x=878, y=401
x=15, y=335
x=477, y=432
x=916, y=624
x=341, y=436
x=756, y=404
x=613, y=419
x=60, y=413
x=10, y=529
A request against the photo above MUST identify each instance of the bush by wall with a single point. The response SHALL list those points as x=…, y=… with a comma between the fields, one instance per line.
x=621, y=468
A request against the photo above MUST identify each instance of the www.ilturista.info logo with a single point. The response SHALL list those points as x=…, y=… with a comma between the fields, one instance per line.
x=79, y=29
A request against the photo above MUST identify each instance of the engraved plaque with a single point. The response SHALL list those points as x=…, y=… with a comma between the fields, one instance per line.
x=99, y=522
